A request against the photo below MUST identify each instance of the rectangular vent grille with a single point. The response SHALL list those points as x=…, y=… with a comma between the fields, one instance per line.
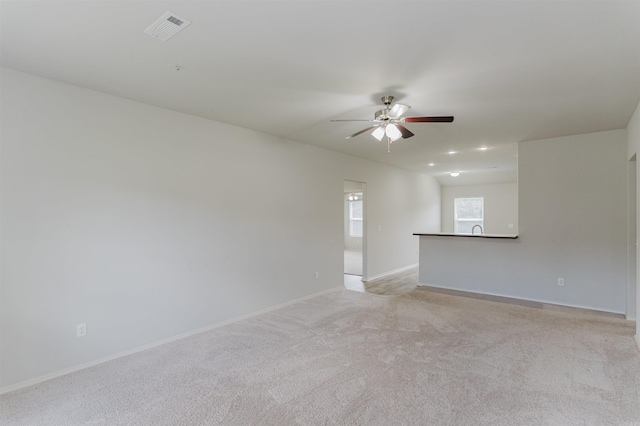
x=167, y=26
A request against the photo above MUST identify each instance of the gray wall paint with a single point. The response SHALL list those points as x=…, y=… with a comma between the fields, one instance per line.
x=500, y=206
x=120, y=215
x=572, y=206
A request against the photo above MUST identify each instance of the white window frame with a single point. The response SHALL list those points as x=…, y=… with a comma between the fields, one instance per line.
x=457, y=220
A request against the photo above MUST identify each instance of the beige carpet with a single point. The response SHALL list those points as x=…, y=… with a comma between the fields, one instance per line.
x=349, y=358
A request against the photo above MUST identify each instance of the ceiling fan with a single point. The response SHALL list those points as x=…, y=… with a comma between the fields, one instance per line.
x=388, y=122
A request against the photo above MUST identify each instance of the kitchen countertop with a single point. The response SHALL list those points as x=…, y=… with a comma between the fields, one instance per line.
x=503, y=236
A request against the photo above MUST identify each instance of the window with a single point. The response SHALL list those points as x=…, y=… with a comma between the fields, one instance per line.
x=468, y=212
x=355, y=217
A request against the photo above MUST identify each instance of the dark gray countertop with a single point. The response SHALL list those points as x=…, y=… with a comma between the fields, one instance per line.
x=504, y=236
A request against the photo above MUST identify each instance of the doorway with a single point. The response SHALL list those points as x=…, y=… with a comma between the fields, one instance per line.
x=632, y=239
x=354, y=228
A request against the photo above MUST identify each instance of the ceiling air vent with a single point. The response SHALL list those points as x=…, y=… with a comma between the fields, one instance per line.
x=167, y=26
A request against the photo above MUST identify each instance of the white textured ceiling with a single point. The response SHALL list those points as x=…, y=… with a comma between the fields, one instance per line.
x=509, y=71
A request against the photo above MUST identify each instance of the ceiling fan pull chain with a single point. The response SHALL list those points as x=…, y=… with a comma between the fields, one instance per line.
x=388, y=145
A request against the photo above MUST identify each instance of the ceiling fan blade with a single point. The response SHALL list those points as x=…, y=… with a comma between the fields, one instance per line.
x=362, y=131
x=397, y=110
x=370, y=121
x=406, y=133
x=446, y=119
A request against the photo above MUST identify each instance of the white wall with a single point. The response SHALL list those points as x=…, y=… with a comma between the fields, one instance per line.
x=572, y=207
x=633, y=148
x=145, y=223
x=573, y=213
x=500, y=206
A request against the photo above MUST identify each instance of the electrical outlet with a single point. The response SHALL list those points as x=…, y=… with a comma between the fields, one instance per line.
x=560, y=281
x=81, y=330
x=317, y=274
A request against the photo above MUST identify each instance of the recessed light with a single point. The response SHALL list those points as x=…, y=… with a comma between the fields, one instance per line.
x=431, y=164
x=452, y=152
x=483, y=148
x=454, y=174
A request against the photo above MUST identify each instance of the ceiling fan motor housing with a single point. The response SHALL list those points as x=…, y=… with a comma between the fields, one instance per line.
x=381, y=115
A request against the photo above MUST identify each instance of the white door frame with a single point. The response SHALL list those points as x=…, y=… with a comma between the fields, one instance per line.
x=632, y=240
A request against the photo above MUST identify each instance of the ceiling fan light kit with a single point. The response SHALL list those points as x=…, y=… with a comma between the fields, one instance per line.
x=378, y=133
x=387, y=122
x=392, y=132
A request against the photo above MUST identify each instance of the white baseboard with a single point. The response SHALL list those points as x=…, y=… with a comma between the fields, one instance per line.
x=44, y=378
x=637, y=337
x=509, y=296
x=395, y=271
